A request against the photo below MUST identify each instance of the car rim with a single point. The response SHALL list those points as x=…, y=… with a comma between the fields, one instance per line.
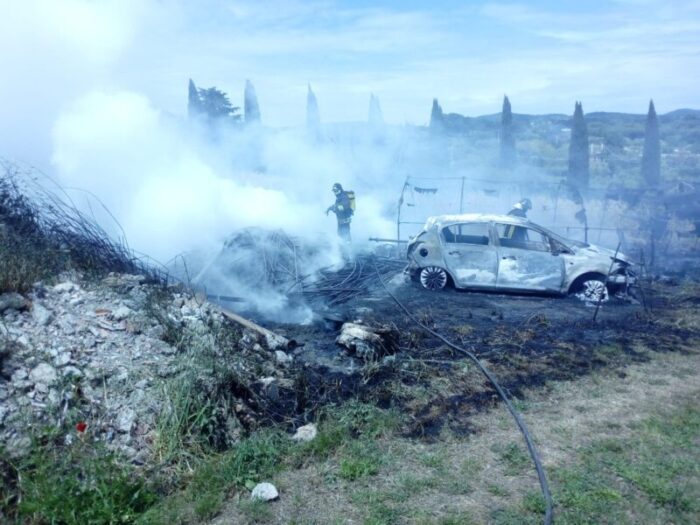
x=593, y=290
x=433, y=278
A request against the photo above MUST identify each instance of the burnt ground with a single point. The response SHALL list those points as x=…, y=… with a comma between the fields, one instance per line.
x=526, y=341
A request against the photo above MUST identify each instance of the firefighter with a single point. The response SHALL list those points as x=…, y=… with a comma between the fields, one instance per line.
x=343, y=211
x=518, y=233
x=521, y=208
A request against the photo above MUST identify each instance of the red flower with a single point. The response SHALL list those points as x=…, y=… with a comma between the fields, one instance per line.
x=81, y=426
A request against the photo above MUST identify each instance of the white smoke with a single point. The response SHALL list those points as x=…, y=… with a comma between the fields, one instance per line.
x=171, y=191
x=177, y=187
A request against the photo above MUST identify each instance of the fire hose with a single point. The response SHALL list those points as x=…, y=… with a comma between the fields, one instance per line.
x=534, y=454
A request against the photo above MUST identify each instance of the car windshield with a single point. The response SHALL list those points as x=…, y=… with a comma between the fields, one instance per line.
x=563, y=240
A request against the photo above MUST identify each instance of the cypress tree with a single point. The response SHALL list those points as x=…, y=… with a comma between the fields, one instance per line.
x=375, y=117
x=194, y=103
x=651, y=156
x=251, y=110
x=313, y=115
x=437, y=119
x=507, y=141
x=579, y=173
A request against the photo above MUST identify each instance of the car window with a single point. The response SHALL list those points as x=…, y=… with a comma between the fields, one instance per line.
x=467, y=233
x=514, y=236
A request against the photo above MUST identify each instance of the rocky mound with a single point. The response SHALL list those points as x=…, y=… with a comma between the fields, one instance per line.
x=120, y=359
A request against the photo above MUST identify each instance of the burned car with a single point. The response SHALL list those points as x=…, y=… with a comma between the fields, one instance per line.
x=502, y=252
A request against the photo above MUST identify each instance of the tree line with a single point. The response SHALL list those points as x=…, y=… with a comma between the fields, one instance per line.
x=213, y=105
x=578, y=173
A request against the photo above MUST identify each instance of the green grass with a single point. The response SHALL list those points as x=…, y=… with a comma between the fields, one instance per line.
x=342, y=424
x=255, y=459
x=360, y=459
x=513, y=457
x=73, y=484
x=255, y=511
x=651, y=476
x=346, y=435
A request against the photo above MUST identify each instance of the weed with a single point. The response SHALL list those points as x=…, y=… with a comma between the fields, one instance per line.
x=340, y=424
x=497, y=490
x=409, y=484
x=208, y=504
x=380, y=513
x=256, y=511
x=521, y=405
x=471, y=466
x=360, y=459
x=378, y=509
x=185, y=421
x=513, y=457
x=534, y=502
x=513, y=517
x=434, y=460
x=456, y=518
x=42, y=236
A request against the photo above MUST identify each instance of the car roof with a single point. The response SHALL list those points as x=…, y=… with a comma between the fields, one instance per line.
x=446, y=220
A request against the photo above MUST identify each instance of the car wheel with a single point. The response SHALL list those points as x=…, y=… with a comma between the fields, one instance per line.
x=433, y=278
x=592, y=290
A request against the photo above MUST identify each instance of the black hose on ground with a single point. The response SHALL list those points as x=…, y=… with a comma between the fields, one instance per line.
x=544, y=486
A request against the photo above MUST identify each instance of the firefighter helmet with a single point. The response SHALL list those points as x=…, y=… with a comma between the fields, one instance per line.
x=524, y=204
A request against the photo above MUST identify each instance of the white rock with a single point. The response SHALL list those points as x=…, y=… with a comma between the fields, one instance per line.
x=267, y=381
x=121, y=313
x=43, y=373
x=12, y=300
x=62, y=359
x=282, y=358
x=72, y=371
x=53, y=396
x=125, y=420
x=65, y=287
x=265, y=492
x=305, y=433
x=19, y=375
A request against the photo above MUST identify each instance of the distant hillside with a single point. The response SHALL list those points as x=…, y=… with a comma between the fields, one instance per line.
x=616, y=141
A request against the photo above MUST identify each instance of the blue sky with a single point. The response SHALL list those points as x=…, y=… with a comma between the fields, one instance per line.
x=611, y=55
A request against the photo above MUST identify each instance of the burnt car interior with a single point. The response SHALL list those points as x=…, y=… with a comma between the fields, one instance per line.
x=476, y=233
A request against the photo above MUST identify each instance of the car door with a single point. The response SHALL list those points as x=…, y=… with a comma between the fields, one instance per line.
x=470, y=256
x=526, y=260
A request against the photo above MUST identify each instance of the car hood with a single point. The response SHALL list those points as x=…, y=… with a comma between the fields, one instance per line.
x=591, y=250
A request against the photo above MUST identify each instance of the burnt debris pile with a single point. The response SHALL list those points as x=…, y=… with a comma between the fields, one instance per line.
x=270, y=273
x=357, y=277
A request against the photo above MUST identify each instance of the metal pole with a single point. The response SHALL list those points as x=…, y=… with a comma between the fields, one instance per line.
x=398, y=213
x=605, y=284
x=461, y=197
